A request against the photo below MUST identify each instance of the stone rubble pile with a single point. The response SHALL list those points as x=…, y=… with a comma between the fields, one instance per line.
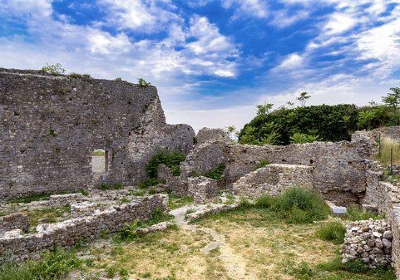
x=370, y=241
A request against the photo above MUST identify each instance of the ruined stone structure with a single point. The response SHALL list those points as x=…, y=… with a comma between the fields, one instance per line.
x=338, y=168
x=51, y=124
x=274, y=179
x=17, y=246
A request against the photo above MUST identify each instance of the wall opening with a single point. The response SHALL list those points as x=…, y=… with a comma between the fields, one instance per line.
x=99, y=163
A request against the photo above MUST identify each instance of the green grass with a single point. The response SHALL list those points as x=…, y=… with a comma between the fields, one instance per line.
x=31, y=198
x=98, y=153
x=295, y=205
x=177, y=202
x=106, y=187
x=332, y=231
x=150, y=183
x=356, y=214
x=263, y=163
x=48, y=215
x=52, y=266
x=388, y=145
x=128, y=233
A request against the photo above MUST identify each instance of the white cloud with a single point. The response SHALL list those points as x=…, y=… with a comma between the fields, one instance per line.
x=253, y=8
x=104, y=43
x=31, y=8
x=140, y=15
x=339, y=22
x=291, y=62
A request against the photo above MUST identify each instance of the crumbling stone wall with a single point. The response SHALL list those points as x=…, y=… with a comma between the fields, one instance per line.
x=339, y=170
x=274, y=179
x=14, y=221
x=211, y=134
x=67, y=233
x=202, y=189
x=51, y=124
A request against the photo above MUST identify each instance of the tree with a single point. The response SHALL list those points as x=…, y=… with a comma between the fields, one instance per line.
x=231, y=130
x=392, y=99
x=303, y=98
x=263, y=110
x=290, y=104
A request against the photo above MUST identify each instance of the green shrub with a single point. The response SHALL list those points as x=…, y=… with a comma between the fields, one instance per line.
x=263, y=163
x=75, y=76
x=106, y=187
x=332, y=231
x=264, y=202
x=55, y=69
x=143, y=83
x=301, y=138
x=170, y=159
x=52, y=265
x=298, y=205
x=216, y=173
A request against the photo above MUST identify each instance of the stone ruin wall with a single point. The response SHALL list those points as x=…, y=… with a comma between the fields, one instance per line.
x=274, y=179
x=51, y=124
x=339, y=170
x=20, y=247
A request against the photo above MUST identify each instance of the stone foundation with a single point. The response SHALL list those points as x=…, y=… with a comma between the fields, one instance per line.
x=67, y=233
x=202, y=189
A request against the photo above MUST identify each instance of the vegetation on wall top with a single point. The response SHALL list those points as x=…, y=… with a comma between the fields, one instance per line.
x=170, y=159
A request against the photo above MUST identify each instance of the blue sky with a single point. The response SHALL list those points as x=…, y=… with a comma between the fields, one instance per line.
x=214, y=60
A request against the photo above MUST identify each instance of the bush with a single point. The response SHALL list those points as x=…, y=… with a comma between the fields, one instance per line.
x=332, y=231
x=264, y=202
x=170, y=159
x=55, y=69
x=216, y=173
x=263, y=163
x=53, y=265
x=298, y=205
x=142, y=83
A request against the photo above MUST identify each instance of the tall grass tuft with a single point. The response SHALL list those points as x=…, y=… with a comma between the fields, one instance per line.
x=332, y=231
x=52, y=266
x=387, y=145
x=295, y=205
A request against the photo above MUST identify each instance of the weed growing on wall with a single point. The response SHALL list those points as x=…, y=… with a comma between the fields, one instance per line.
x=170, y=159
x=216, y=173
x=143, y=83
x=55, y=69
x=106, y=187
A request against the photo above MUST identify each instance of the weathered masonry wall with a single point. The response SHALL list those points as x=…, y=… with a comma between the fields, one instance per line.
x=339, y=170
x=274, y=179
x=50, y=125
x=69, y=232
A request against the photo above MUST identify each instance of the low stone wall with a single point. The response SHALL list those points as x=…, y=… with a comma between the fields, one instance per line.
x=274, y=179
x=14, y=221
x=67, y=233
x=370, y=241
x=202, y=189
x=374, y=197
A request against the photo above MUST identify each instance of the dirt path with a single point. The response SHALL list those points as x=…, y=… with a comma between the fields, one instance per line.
x=234, y=263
